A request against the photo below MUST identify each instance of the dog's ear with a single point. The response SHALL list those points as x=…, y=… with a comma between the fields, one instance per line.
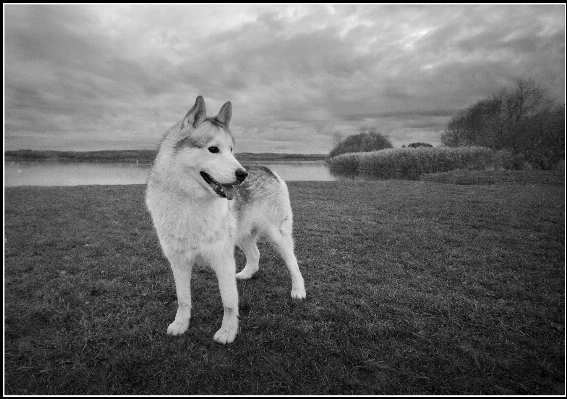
x=225, y=114
x=196, y=115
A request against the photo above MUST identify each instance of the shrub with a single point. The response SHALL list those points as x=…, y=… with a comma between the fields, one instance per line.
x=506, y=159
x=415, y=145
x=367, y=140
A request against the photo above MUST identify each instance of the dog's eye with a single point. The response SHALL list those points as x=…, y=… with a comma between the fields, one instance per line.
x=214, y=149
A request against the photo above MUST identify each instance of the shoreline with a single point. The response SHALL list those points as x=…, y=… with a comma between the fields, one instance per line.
x=140, y=156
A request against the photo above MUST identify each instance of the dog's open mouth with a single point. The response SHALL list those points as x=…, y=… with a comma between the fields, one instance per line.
x=222, y=190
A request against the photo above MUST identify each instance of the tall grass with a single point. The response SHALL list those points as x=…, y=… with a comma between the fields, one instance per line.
x=416, y=161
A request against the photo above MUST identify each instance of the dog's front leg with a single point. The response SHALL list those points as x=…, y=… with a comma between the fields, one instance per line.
x=225, y=268
x=181, y=265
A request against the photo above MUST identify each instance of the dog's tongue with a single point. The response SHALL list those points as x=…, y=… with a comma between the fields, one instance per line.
x=229, y=191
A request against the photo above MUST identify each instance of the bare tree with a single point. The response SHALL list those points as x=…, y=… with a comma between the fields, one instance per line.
x=337, y=138
x=524, y=120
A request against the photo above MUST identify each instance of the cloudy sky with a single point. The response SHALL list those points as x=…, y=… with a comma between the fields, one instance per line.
x=91, y=77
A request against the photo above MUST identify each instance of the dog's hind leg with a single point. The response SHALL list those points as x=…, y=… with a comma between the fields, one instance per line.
x=181, y=267
x=250, y=249
x=282, y=241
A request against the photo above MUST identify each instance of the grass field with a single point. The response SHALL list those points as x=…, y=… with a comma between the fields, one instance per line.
x=454, y=284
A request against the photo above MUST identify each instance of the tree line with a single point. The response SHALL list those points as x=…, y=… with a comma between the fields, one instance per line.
x=524, y=120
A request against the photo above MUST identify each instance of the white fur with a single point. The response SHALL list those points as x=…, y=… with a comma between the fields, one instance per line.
x=193, y=223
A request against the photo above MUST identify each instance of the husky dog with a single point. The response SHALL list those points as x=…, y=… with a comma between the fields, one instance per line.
x=203, y=203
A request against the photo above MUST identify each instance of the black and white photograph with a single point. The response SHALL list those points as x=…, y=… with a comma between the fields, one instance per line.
x=318, y=199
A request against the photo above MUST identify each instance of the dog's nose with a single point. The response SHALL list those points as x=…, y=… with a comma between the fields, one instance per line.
x=241, y=174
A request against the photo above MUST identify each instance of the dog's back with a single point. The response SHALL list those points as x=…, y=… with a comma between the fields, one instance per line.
x=262, y=209
x=261, y=202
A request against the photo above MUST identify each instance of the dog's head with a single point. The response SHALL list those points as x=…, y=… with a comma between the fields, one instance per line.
x=204, y=147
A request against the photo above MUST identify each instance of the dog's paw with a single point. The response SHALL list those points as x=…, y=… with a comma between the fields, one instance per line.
x=177, y=328
x=298, y=293
x=226, y=335
x=245, y=274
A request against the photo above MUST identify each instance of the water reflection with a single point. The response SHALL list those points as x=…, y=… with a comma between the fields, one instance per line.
x=298, y=170
x=73, y=173
x=49, y=173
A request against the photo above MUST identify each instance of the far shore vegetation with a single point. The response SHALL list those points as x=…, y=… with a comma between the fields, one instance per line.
x=412, y=162
x=140, y=156
x=517, y=128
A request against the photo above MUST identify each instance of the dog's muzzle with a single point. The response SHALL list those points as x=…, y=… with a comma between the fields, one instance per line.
x=241, y=174
x=225, y=190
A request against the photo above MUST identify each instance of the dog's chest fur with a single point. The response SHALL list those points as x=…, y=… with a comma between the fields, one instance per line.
x=191, y=224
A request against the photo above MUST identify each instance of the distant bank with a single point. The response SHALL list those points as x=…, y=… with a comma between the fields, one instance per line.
x=141, y=156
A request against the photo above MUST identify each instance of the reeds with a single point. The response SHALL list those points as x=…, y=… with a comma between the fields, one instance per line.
x=415, y=161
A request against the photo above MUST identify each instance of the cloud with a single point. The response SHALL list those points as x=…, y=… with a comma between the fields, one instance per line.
x=102, y=76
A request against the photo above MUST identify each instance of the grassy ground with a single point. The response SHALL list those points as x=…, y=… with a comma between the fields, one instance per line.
x=414, y=287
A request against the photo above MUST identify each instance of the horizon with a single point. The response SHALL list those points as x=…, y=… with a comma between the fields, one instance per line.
x=95, y=77
x=156, y=149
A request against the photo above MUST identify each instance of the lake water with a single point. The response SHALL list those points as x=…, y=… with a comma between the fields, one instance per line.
x=52, y=173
